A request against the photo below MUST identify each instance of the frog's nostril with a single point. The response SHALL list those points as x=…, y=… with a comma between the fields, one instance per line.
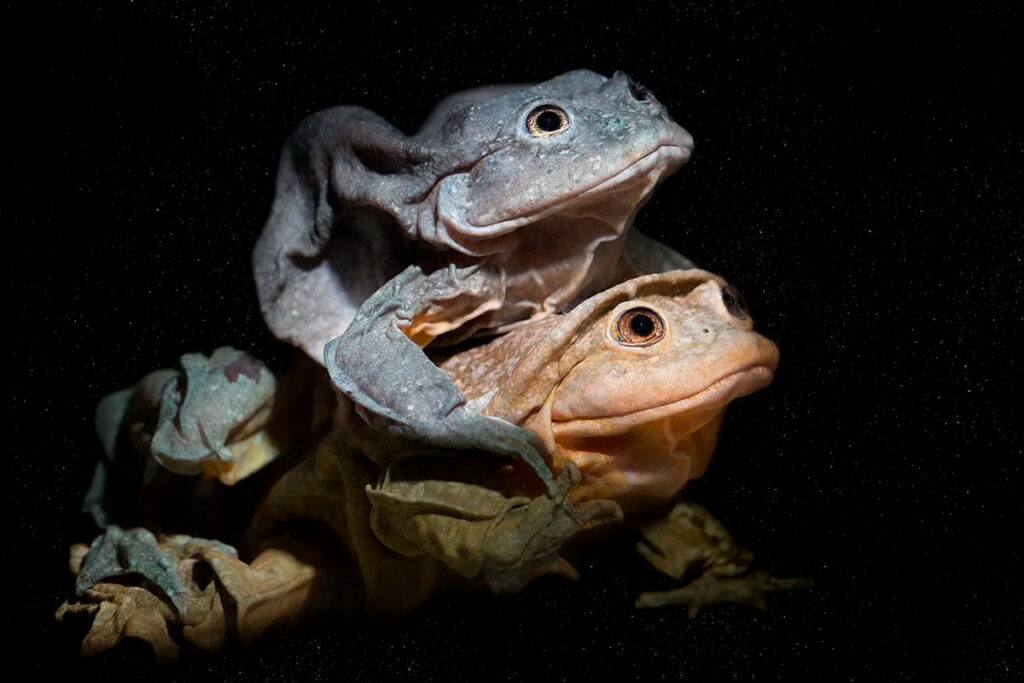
x=637, y=90
x=734, y=302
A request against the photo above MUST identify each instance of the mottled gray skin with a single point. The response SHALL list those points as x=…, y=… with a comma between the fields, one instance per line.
x=474, y=223
x=119, y=553
x=182, y=421
x=198, y=409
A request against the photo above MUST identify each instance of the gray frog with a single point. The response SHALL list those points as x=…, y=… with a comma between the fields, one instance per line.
x=509, y=204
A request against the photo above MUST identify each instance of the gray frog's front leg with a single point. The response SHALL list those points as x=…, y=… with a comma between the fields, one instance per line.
x=378, y=365
x=690, y=541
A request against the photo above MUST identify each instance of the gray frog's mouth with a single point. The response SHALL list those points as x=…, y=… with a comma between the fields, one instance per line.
x=667, y=157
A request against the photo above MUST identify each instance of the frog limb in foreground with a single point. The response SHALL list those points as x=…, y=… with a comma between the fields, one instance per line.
x=689, y=540
x=528, y=193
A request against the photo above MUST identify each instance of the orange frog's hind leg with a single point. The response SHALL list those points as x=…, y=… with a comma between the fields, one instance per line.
x=225, y=600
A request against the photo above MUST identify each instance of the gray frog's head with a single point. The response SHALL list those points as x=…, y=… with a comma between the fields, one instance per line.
x=507, y=156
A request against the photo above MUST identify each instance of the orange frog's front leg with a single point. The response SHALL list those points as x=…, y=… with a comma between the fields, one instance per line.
x=689, y=541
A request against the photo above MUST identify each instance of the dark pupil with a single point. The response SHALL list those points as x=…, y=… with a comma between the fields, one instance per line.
x=642, y=325
x=549, y=121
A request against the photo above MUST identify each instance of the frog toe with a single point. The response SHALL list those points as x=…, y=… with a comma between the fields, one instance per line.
x=118, y=552
x=710, y=589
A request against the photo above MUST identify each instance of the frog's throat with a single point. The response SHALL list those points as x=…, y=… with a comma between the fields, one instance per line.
x=716, y=395
x=645, y=466
x=647, y=172
x=647, y=456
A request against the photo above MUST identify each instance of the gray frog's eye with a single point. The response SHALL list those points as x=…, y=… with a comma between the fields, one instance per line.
x=734, y=302
x=547, y=120
x=638, y=327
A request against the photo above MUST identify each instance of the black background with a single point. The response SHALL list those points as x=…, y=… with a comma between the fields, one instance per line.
x=856, y=175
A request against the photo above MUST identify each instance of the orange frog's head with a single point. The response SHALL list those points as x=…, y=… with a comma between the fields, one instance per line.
x=631, y=385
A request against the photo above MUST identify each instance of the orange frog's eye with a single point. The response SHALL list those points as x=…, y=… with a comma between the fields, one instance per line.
x=639, y=327
x=547, y=120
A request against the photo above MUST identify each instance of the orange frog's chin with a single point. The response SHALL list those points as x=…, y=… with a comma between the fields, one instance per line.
x=645, y=466
x=646, y=458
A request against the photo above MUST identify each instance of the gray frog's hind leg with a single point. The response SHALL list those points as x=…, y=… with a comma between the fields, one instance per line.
x=179, y=420
x=689, y=540
x=398, y=390
x=186, y=420
x=223, y=600
x=644, y=256
x=118, y=552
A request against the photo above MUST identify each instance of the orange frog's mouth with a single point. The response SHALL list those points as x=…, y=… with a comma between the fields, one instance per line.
x=647, y=456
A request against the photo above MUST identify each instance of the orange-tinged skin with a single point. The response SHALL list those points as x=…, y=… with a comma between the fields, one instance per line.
x=638, y=420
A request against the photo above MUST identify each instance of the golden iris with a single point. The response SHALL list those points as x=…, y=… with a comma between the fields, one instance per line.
x=547, y=120
x=639, y=327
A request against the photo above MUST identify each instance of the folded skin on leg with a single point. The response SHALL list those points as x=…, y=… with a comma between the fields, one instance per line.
x=454, y=510
x=118, y=553
x=218, y=411
x=378, y=363
x=223, y=599
x=689, y=540
x=210, y=416
x=216, y=400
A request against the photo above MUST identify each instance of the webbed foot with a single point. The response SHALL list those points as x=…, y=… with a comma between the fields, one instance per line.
x=712, y=589
x=222, y=599
x=690, y=541
x=118, y=552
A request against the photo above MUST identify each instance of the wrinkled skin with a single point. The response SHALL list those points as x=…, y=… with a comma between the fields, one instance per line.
x=381, y=243
x=413, y=520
